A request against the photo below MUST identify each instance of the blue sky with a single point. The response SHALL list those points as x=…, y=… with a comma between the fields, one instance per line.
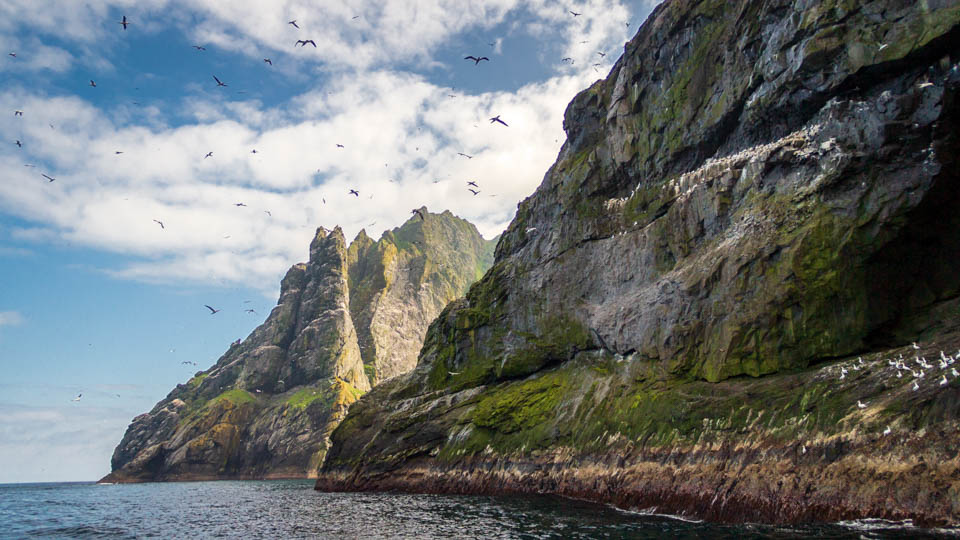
x=99, y=300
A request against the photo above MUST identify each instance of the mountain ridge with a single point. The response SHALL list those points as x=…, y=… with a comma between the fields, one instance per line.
x=266, y=408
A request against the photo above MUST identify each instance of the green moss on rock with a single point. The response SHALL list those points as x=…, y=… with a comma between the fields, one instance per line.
x=304, y=397
x=520, y=406
x=235, y=396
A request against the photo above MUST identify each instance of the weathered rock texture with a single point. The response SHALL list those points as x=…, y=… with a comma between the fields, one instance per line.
x=758, y=191
x=266, y=409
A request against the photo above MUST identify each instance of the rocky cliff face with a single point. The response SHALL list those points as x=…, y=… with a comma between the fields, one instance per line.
x=401, y=283
x=267, y=407
x=759, y=193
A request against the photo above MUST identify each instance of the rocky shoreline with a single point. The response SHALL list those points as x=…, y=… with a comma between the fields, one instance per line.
x=752, y=472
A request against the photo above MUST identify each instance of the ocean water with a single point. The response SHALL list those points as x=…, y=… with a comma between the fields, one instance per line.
x=292, y=509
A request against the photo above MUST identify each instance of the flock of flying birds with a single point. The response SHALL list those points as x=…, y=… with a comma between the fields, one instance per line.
x=471, y=185
x=124, y=22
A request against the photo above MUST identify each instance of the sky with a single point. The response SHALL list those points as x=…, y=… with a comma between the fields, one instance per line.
x=134, y=190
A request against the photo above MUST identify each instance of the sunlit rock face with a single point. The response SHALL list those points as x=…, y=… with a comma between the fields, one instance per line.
x=759, y=193
x=346, y=319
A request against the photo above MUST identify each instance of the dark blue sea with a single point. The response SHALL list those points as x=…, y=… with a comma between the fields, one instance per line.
x=292, y=509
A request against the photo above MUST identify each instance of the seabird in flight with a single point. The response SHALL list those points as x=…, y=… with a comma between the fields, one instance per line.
x=219, y=82
x=47, y=177
x=18, y=144
x=199, y=48
x=339, y=145
x=77, y=398
x=419, y=213
x=475, y=59
x=575, y=14
x=267, y=60
x=239, y=204
x=251, y=311
x=209, y=154
x=497, y=119
x=354, y=192
x=93, y=84
x=472, y=183
x=18, y=113
x=464, y=155
x=472, y=191
x=160, y=223
x=294, y=23
x=212, y=311
x=303, y=43
x=124, y=22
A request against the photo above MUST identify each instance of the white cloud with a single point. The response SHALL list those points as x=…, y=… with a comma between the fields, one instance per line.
x=401, y=134
x=58, y=443
x=384, y=32
x=36, y=57
x=15, y=252
x=10, y=318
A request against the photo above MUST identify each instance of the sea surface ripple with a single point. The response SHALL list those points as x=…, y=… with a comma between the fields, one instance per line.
x=292, y=509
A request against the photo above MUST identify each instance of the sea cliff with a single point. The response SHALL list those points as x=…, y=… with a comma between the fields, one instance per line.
x=707, y=307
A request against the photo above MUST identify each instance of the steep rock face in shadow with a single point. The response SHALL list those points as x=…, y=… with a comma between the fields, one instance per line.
x=757, y=191
x=267, y=407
